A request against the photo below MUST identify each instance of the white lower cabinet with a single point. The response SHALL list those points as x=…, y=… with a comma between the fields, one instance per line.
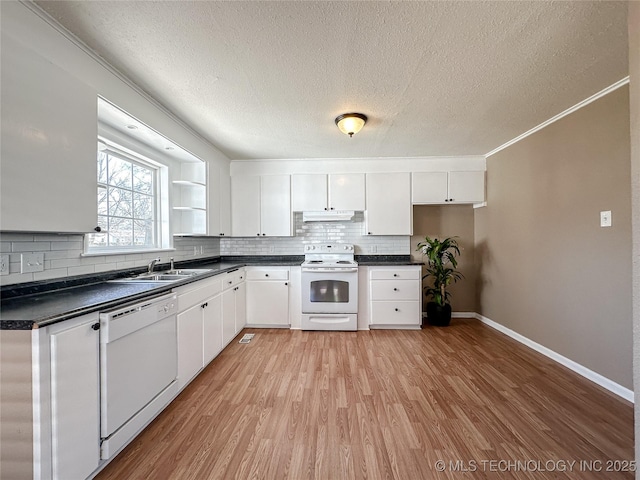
x=189, y=344
x=69, y=367
x=233, y=305
x=199, y=327
x=395, y=295
x=211, y=329
x=268, y=297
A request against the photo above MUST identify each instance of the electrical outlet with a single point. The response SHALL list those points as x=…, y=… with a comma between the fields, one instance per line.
x=605, y=218
x=4, y=264
x=373, y=249
x=31, y=262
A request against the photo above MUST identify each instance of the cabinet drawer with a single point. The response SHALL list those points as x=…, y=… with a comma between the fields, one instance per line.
x=396, y=313
x=395, y=273
x=231, y=279
x=268, y=274
x=197, y=292
x=395, y=290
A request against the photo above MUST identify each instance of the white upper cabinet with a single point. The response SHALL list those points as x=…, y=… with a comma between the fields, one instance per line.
x=219, y=206
x=389, y=210
x=49, y=145
x=261, y=206
x=447, y=187
x=309, y=193
x=318, y=192
x=245, y=206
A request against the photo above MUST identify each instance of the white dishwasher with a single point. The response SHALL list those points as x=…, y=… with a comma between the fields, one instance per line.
x=138, y=368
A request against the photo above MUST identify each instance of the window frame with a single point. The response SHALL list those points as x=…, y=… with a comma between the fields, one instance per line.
x=162, y=238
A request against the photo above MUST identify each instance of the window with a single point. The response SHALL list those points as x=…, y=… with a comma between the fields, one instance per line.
x=128, y=211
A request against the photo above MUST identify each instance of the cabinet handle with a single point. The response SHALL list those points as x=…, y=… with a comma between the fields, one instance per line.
x=98, y=229
x=396, y=309
x=395, y=289
x=263, y=234
x=230, y=282
x=95, y=326
x=368, y=233
x=286, y=283
x=222, y=234
x=395, y=274
x=266, y=274
x=332, y=208
x=204, y=305
x=257, y=234
x=325, y=208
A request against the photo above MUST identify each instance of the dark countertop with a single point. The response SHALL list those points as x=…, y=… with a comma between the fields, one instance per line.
x=38, y=304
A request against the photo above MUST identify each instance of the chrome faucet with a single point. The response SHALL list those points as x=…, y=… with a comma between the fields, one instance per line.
x=171, y=267
x=152, y=264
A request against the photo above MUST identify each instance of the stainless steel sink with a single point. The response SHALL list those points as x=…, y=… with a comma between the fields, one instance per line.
x=189, y=272
x=167, y=276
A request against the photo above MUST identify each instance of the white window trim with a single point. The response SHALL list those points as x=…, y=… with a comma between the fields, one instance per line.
x=165, y=239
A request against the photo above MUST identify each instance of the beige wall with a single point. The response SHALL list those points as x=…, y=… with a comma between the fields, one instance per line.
x=449, y=221
x=545, y=268
x=16, y=417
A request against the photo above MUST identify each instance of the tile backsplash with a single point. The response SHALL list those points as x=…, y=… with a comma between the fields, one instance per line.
x=319, y=232
x=63, y=253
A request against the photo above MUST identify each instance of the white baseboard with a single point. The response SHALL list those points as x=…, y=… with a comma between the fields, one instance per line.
x=604, y=382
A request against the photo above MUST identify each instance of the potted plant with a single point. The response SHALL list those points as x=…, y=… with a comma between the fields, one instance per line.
x=441, y=269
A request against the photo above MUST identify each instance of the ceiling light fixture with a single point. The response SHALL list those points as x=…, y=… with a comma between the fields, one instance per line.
x=350, y=123
x=132, y=127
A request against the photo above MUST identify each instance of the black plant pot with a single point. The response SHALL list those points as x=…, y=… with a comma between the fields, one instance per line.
x=438, y=315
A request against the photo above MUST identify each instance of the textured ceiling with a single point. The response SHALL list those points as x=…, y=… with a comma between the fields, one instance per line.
x=266, y=79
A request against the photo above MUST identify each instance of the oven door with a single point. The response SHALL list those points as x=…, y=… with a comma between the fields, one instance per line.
x=330, y=291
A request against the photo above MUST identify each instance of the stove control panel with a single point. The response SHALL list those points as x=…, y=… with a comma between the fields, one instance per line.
x=329, y=248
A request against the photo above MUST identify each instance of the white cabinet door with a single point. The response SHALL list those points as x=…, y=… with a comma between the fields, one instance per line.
x=212, y=328
x=389, y=210
x=228, y=315
x=241, y=306
x=275, y=205
x=308, y=193
x=48, y=145
x=245, y=206
x=219, y=205
x=346, y=191
x=447, y=187
x=466, y=187
x=429, y=187
x=190, y=353
x=225, y=202
x=75, y=400
x=214, y=198
x=267, y=296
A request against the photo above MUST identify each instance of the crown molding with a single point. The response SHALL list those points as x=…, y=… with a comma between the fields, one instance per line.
x=568, y=111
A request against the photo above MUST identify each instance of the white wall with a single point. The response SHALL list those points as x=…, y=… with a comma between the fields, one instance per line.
x=27, y=24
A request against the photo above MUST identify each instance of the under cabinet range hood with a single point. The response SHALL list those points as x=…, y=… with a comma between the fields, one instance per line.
x=328, y=216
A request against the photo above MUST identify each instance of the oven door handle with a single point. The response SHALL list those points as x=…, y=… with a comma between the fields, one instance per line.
x=330, y=270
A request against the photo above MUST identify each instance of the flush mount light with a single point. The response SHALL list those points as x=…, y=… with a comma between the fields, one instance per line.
x=350, y=123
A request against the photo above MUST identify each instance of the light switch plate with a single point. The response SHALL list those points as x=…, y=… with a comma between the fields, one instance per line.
x=4, y=264
x=32, y=262
x=605, y=218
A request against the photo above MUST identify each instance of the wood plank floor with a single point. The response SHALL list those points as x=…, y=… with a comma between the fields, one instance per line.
x=384, y=404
